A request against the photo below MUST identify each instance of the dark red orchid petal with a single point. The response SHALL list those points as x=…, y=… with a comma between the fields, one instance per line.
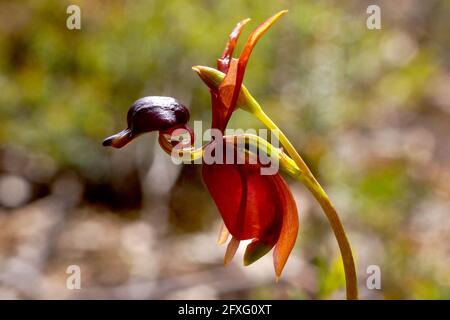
x=224, y=61
x=225, y=97
x=231, y=85
x=245, y=199
x=254, y=206
x=289, y=228
x=251, y=42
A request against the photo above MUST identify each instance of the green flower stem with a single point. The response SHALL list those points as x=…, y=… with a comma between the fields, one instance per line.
x=316, y=189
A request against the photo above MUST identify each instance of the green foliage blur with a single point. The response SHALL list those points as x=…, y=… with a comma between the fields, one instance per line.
x=368, y=109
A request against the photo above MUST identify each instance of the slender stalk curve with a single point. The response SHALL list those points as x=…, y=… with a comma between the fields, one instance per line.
x=316, y=189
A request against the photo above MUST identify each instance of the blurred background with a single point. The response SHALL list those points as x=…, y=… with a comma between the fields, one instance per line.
x=368, y=109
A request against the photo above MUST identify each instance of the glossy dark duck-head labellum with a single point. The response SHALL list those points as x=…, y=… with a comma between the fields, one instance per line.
x=148, y=114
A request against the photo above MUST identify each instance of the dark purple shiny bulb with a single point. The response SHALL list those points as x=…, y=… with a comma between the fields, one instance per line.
x=148, y=114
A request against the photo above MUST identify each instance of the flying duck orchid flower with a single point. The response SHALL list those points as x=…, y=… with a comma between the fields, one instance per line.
x=216, y=80
x=254, y=207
